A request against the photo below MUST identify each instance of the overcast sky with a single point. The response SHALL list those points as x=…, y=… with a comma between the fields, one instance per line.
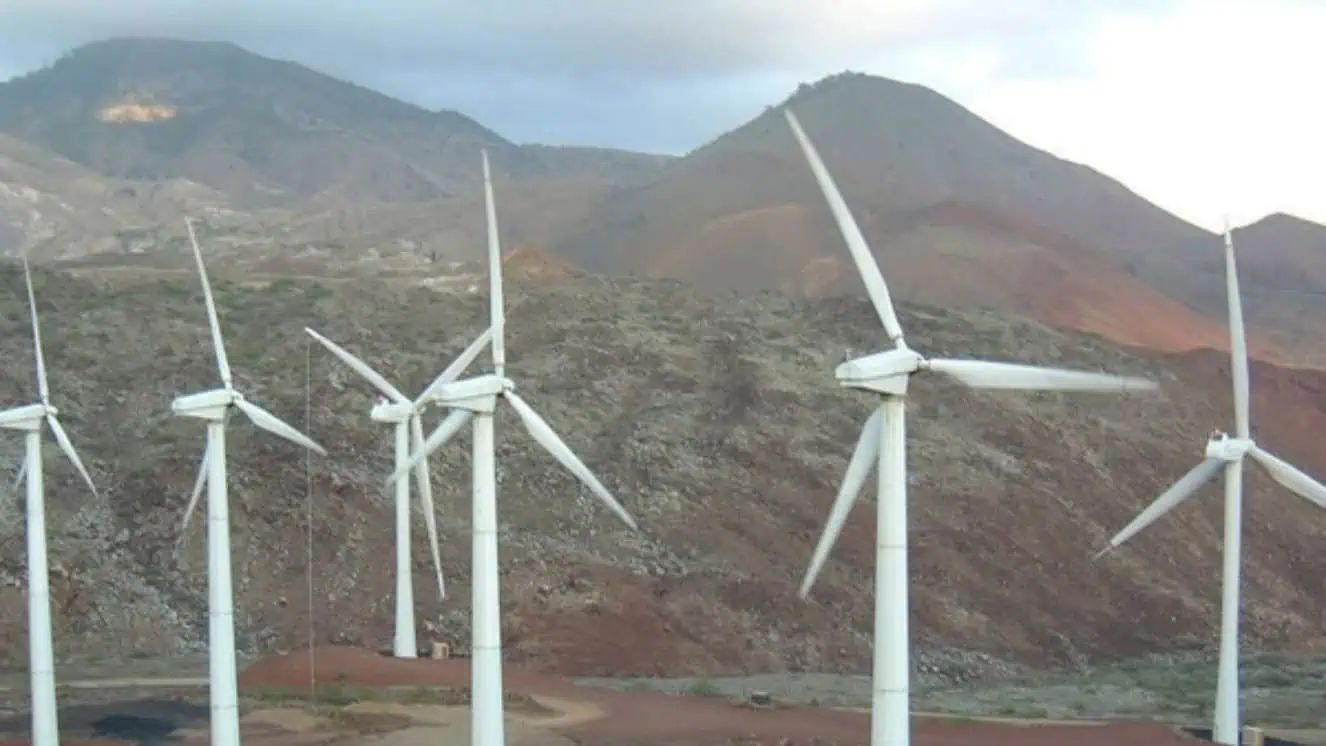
x=1203, y=106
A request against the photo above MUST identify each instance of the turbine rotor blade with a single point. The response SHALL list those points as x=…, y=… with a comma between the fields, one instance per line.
x=445, y=430
x=543, y=434
x=222, y=364
x=457, y=366
x=1181, y=490
x=1290, y=477
x=496, y=314
x=984, y=374
x=360, y=367
x=42, y=388
x=273, y=424
x=22, y=472
x=62, y=438
x=198, y=483
x=856, y=242
x=426, y=497
x=864, y=459
x=1238, y=344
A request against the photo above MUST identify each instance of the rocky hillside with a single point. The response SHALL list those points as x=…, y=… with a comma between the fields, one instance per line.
x=717, y=424
x=266, y=132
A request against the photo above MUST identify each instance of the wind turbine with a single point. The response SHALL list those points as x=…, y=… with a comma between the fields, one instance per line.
x=476, y=399
x=883, y=440
x=214, y=407
x=1225, y=452
x=29, y=419
x=397, y=409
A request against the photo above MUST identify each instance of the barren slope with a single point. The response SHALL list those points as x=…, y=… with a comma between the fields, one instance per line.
x=719, y=426
x=50, y=206
x=267, y=132
x=898, y=146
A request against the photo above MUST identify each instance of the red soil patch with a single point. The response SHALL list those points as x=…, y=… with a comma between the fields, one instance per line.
x=652, y=718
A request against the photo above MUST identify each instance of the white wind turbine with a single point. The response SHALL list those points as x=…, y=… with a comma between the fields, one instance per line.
x=214, y=407
x=883, y=441
x=405, y=415
x=29, y=419
x=476, y=399
x=1224, y=451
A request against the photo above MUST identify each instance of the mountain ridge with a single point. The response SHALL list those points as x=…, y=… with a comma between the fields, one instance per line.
x=300, y=172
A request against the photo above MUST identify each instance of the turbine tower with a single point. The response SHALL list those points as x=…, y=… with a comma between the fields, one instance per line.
x=883, y=441
x=1224, y=452
x=405, y=415
x=29, y=419
x=476, y=399
x=214, y=407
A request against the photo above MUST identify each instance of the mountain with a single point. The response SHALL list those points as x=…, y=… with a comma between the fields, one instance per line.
x=715, y=421
x=292, y=172
x=266, y=132
x=957, y=210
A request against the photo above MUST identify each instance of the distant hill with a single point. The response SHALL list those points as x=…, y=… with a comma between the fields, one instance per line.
x=291, y=171
x=264, y=131
x=54, y=207
x=958, y=211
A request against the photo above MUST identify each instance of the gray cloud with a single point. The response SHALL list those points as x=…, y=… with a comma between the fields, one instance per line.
x=657, y=76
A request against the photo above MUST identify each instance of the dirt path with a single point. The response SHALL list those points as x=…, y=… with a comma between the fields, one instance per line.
x=597, y=717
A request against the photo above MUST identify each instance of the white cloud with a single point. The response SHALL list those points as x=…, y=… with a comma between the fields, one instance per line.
x=1211, y=107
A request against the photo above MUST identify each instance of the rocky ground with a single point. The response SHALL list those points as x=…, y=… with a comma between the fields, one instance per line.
x=717, y=423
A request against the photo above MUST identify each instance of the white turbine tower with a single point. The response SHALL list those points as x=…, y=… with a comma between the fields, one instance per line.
x=476, y=399
x=214, y=407
x=883, y=440
x=1225, y=452
x=29, y=419
x=397, y=409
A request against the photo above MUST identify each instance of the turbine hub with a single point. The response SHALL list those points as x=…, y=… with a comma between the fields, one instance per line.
x=1226, y=448
x=27, y=417
x=209, y=405
x=391, y=412
x=883, y=372
x=477, y=394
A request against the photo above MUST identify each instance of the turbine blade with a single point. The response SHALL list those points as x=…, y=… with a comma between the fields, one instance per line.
x=22, y=472
x=496, y=314
x=542, y=432
x=457, y=366
x=984, y=374
x=1181, y=490
x=273, y=424
x=445, y=430
x=856, y=242
x=1238, y=344
x=43, y=390
x=198, y=483
x=360, y=367
x=1293, y=480
x=426, y=497
x=222, y=364
x=864, y=459
x=62, y=438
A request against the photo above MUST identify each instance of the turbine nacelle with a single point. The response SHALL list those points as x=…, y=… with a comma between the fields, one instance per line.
x=1225, y=448
x=209, y=405
x=478, y=394
x=27, y=417
x=884, y=372
x=391, y=412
